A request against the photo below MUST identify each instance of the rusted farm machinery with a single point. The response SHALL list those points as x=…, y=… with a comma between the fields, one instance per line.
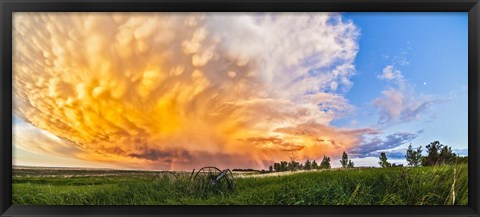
x=212, y=178
x=204, y=180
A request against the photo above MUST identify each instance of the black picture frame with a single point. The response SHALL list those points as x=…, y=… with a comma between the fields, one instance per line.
x=7, y=7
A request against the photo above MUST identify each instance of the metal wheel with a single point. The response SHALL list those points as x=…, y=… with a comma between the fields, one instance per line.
x=230, y=179
x=213, y=179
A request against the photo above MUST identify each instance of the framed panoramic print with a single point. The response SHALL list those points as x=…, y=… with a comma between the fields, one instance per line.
x=262, y=108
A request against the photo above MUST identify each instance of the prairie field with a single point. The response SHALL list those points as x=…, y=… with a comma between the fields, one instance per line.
x=437, y=185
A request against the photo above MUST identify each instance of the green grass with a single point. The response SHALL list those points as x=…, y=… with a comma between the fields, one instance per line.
x=375, y=186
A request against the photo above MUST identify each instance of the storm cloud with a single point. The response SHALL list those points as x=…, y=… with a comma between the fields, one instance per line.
x=162, y=90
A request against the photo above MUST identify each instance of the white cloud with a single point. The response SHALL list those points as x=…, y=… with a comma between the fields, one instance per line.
x=390, y=73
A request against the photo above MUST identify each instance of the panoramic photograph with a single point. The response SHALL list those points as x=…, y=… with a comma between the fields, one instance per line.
x=240, y=108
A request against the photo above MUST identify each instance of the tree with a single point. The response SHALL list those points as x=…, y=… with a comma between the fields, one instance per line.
x=344, y=160
x=308, y=165
x=270, y=169
x=438, y=154
x=277, y=167
x=283, y=166
x=350, y=164
x=397, y=165
x=314, y=165
x=446, y=155
x=293, y=165
x=325, y=164
x=413, y=157
x=384, y=160
x=433, y=155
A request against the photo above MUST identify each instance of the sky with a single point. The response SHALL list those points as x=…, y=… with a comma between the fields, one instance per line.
x=177, y=91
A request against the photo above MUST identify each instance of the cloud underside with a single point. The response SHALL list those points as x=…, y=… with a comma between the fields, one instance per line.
x=164, y=90
x=374, y=146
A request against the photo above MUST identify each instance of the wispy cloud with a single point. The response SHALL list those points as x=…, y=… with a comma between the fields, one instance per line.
x=400, y=103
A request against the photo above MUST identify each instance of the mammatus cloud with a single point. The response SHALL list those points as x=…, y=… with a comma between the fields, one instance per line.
x=400, y=103
x=175, y=91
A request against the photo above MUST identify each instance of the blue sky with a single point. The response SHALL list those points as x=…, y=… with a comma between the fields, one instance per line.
x=430, y=50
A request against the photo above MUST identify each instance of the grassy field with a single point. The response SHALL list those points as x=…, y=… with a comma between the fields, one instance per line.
x=441, y=185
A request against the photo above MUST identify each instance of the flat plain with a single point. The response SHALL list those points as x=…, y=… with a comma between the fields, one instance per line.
x=435, y=185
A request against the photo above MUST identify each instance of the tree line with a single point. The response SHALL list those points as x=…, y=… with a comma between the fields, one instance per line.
x=309, y=165
x=437, y=154
x=294, y=165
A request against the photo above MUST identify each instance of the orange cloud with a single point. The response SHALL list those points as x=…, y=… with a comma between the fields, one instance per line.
x=177, y=91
